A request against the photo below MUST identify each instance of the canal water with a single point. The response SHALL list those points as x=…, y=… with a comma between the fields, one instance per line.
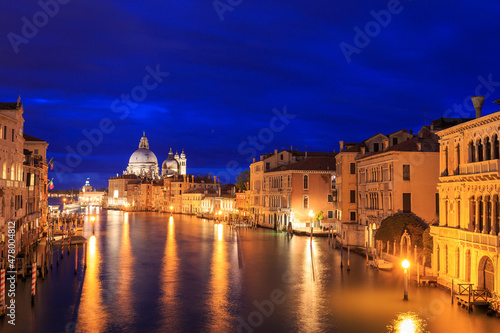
x=150, y=272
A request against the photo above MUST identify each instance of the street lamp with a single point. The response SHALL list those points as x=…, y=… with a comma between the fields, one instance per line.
x=92, y=219
x=406, y=265
x=171, y=209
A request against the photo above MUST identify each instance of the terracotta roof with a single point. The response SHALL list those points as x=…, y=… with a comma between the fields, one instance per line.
x=427, y=145
x=9, y=105
x=320, y=163
x=28, y=137
x=353, y=147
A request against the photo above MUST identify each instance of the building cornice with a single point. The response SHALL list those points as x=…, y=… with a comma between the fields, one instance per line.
x=478, y=122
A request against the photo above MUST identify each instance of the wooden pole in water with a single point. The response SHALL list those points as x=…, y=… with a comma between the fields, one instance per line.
x=33, y=281
x=451, y=291
x=76, y=258
x=348, y=254
x=366, y=248
x=468, y=304
x=418, y=274
x=42, y=267
x=85, y=255
x=341, y=253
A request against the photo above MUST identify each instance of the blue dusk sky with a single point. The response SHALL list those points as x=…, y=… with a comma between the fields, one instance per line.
x=229, y=80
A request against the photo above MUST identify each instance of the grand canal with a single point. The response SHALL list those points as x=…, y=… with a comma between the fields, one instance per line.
x=150, y=272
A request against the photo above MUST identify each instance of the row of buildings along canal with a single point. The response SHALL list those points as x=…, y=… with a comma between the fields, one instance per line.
x=447, y=174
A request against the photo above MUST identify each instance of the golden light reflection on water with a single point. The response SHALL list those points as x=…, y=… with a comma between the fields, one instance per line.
x=408, y=322
x=169, y=279
x=218, y=303
x=125, y=278
x=309, y=300
x=92, y=315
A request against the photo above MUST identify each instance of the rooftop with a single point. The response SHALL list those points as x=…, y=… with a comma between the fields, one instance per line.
x=313, y=163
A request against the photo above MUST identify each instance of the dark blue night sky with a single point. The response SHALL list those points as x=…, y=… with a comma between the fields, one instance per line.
x=341, y=70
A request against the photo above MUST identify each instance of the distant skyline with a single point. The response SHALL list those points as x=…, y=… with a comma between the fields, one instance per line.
x=230, y=80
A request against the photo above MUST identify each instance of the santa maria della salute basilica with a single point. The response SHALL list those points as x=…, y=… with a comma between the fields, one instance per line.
x=143, y=163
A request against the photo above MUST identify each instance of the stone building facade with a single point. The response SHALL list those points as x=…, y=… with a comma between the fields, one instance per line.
x=466, y=241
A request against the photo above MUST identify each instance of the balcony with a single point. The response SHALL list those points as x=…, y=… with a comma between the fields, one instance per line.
x=466, y=236
x=483, y=167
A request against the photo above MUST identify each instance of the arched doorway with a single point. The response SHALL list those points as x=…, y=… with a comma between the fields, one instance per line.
x=486, y=278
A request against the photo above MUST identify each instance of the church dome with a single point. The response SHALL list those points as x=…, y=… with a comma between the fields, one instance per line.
x=143, y=156
x=143, y=161
x=170, y=166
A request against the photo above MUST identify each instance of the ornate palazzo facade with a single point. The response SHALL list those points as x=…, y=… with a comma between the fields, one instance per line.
x=467, y=242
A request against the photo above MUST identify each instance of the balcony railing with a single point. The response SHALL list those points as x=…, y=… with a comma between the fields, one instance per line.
x=468, y=236
x=480, y=167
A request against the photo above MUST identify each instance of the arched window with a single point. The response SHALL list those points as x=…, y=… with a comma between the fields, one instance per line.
x=306, y=182
x=306, y=202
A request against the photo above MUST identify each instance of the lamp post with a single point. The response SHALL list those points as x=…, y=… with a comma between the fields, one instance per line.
x=92, y=219
x=171, y=210
x=406, y=265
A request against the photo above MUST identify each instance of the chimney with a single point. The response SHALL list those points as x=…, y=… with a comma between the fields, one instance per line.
x=477, y=101
x=276, y=152
x=253, y=160
x=419, y=146
x=215, y=179
x=306, y=155
x=363, y=150
x=385, y=143
x=341, y=146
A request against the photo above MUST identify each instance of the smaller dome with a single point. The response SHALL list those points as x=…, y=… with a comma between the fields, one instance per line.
x=169, y=167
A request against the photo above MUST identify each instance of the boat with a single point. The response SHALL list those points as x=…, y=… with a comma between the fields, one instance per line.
x=382, y=264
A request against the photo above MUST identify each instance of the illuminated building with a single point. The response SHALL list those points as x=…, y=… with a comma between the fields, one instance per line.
x=23, y=179
x=286, y=185
x=466, y=241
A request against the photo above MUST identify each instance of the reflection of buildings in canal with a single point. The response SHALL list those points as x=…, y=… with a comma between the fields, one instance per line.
x=92, y=314
x=169, y=279
x=126, y=276
x=218, y=290
x=308, y=297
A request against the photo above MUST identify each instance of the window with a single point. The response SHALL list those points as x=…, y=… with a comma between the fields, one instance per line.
x=406, y=202
x=306, y=202
x=13, y=133
x=353, y=168
x=394, y=141
x=281, y=157
x=306, y=182
x=5, y=132
x=375, y=147
x=353, y=216
x=330, y=198
x=267, y=166
x=437, y=204
x=36, y=152
x=406, y=172
x=353, y=196
x=330, y=214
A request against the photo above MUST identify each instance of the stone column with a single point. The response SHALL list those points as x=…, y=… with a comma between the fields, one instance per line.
x=492, y=149
x=477, y=216
x=476, y=152
x=485, y=215
x=472, y=205
x=494, y=215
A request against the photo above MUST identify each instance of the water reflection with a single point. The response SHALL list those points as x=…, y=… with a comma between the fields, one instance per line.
x=92, y=315
x=408, y=322
x=169, y=279
x=309, y=298
x=218, y=304
x=126, y=276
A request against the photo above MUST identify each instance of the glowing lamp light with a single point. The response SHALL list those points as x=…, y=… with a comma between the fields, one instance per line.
x=406, y=264
x=311, y=214
x=92, y=218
